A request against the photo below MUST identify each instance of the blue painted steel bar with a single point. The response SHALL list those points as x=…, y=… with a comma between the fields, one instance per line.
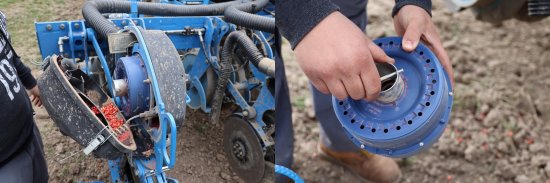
x=91, y=37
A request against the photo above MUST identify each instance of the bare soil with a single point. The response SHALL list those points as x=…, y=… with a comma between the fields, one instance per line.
x=499, y=130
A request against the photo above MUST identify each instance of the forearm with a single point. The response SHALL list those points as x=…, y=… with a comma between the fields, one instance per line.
x=24, y=74
x=295, y=18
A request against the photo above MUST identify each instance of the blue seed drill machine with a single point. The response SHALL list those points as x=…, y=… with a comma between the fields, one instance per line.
x=119, y=81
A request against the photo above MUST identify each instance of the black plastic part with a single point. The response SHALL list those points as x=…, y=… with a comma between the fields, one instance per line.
x=68, y=106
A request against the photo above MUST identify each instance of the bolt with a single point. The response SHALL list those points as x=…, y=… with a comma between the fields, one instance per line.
x=77, y=25
x=62, y=26
x=49, y=27
x=245, y=113
x=450, y=93
x=421, y=144
x=362, y=146
x=124, y=22
x=66, y=55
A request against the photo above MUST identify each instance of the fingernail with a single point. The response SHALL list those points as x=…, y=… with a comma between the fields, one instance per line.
x=390, y=60
x=408, y=44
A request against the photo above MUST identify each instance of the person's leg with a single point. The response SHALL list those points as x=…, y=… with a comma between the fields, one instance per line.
x=335, y=144
x=29, y=165
x=332, y=133
x=284, y=135
x=40, y=168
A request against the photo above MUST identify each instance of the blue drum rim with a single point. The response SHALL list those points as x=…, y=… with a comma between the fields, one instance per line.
x=391, y=140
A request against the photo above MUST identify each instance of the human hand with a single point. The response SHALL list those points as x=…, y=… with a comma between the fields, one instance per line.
x=35, y=96
x=414, y=24
x=338, y=59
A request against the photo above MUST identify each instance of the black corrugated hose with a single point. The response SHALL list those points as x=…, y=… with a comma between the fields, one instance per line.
x=236, y=12
x=92, y=11
x=237, y=38
x=241, y=14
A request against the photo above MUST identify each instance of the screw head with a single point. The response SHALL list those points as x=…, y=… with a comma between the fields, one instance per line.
x=245, y=113
x=362, y=146
x=49, y=27
x=77, y=25
x=124, y=22
x=450, y=93
x=62, y=26
x=421, y=144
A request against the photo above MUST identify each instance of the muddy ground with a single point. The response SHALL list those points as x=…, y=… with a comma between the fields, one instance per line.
x=499, y=129
x=200, y=156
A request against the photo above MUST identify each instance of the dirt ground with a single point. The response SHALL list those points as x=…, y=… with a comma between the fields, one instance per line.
x=200, y=156
x=499, y=130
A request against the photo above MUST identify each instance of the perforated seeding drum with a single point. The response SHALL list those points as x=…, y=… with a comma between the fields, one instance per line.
x=412, y=110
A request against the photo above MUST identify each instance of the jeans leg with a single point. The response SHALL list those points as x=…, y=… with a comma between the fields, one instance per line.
x=332, y=133
x=284, y=135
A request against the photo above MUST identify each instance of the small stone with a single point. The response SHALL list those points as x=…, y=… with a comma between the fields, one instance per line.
x=236, y=178
x=536, y=147
x=220, y=157
x=310, y=113
x=547, y=168
x=74, y=169
x=59, y=149
x=539, y=160
x=333, y=174
x=468, y=153
x=522, y=178
x=217, y=169
x=502, y=147
x=225, y=176
x=493, y=118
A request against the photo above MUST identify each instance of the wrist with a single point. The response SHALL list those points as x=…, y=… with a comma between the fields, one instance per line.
x=424, y=4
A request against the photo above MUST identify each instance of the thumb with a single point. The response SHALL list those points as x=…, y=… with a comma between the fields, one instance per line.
x=378, y=55
x=412, y=36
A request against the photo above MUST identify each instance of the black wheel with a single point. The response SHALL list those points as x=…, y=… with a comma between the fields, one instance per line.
x=243, y=149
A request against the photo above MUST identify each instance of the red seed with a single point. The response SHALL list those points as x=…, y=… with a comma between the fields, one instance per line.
x=110, y=111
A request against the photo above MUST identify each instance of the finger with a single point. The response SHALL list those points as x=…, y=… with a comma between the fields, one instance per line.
x=320, y=86
x=412, y=35
x=39, y=103
x=354, y=87
x=337, y=89
x=371, y=82
x=378, y=54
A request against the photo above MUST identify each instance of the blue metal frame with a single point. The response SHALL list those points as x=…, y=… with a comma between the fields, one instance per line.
x=82, y=43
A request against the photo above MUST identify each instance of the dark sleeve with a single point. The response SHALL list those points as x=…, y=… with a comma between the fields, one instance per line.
x=295, y=18
x=424, y=4
x=24, y=73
